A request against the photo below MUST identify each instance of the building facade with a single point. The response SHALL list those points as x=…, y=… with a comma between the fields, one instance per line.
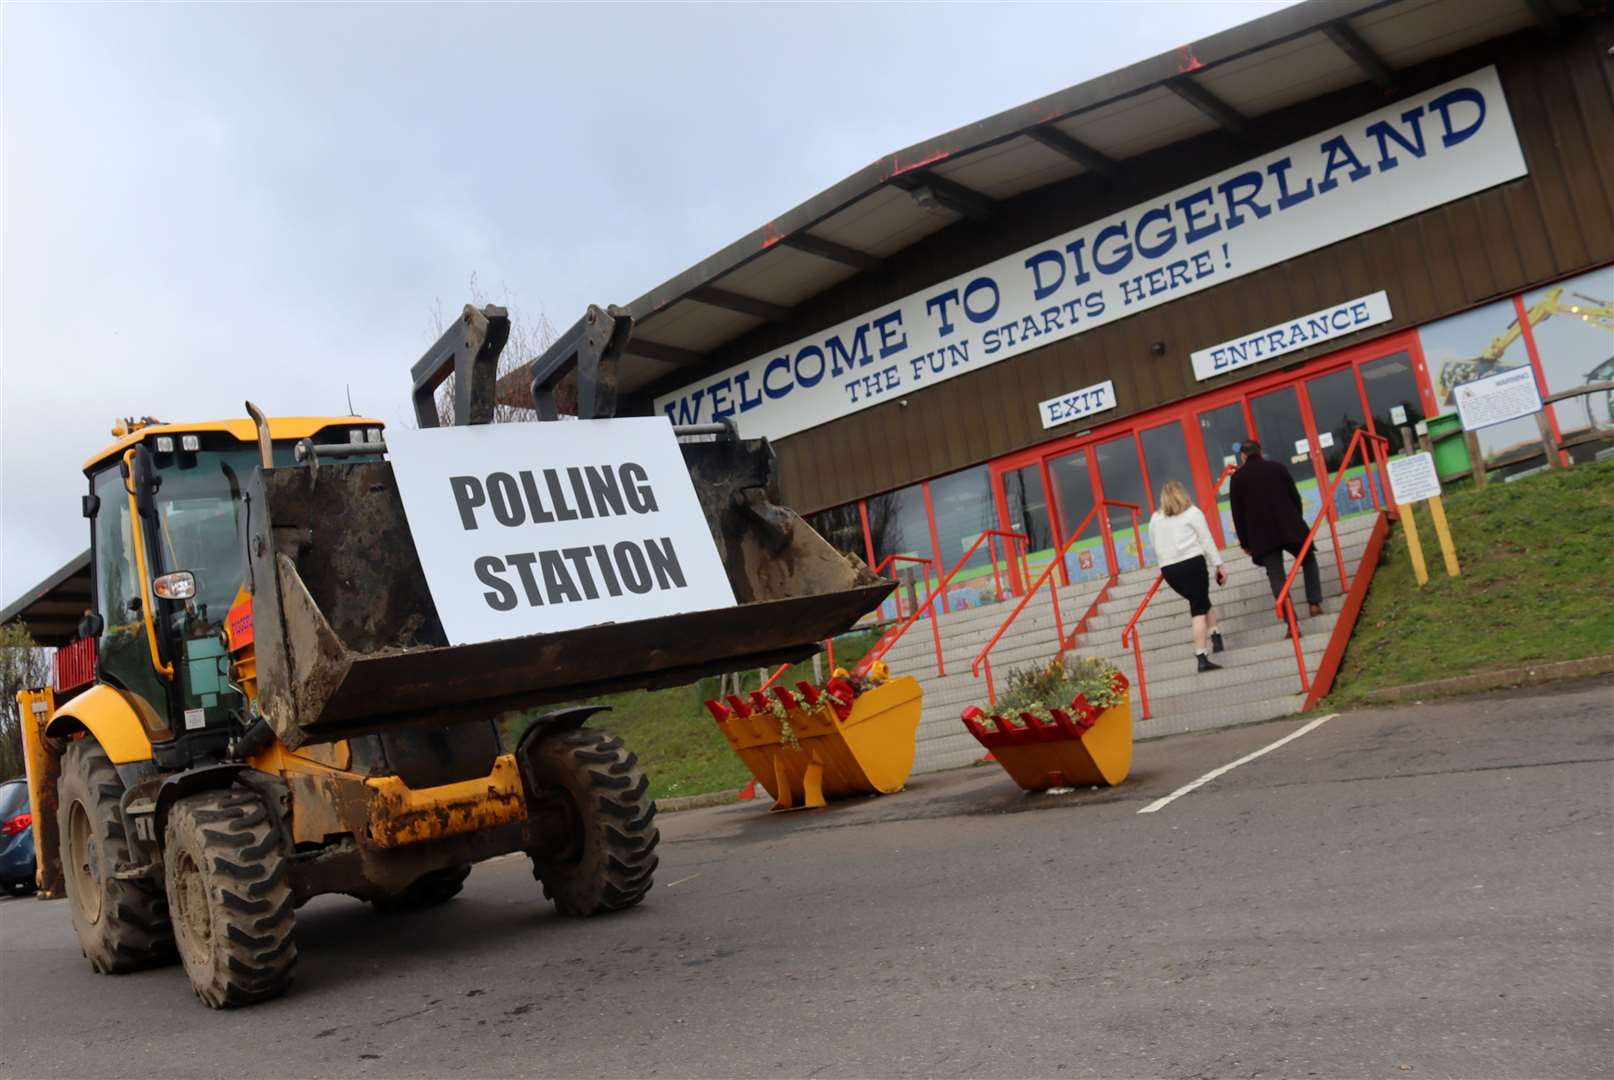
x=1322, y=221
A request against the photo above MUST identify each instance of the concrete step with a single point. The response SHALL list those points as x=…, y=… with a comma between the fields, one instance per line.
x=1033, y=635
x=964, y=632
x=963, y=642
x=1258, y=680
x=1111, y=622
x=1187, y=718
x=1248, y=638
x=1258, y=631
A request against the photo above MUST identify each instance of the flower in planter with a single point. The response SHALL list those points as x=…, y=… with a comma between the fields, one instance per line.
x=1087, y=685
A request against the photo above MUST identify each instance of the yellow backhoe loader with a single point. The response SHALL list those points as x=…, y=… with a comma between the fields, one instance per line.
x=274, y=711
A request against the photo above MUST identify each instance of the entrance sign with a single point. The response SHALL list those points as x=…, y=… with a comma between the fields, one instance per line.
x=1286, y=337
x=1495, y=399
x=1423, y=151
x=1077, y=404
x=1413, y=480
x=534, y=528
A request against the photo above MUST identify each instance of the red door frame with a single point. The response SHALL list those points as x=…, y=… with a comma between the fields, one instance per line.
x=1188, y=410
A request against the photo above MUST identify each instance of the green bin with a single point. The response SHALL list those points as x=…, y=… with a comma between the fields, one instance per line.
x=1451, y=452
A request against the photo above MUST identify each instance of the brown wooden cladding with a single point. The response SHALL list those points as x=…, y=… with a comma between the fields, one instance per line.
x=1554, y=222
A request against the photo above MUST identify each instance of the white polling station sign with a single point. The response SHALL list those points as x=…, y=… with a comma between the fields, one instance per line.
x=535, y=528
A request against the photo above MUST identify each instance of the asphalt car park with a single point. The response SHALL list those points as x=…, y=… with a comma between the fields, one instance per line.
x=1426, y=890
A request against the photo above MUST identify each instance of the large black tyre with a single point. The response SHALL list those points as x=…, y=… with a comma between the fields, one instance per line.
x=428, y=890
x=122, y=923
x=229, y=889
x=608, y=859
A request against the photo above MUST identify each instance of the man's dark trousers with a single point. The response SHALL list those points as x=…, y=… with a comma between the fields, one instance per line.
x=1276, y=574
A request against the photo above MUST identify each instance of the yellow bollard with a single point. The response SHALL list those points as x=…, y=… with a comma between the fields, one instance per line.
x=1443, y=533
x=1409, y=522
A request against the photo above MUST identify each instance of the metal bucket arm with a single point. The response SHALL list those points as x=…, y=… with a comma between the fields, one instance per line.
x=469, y=350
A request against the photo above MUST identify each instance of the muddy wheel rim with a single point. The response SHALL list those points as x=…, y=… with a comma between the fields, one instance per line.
x=193, y=924
x=573, y=842
x=85, y=881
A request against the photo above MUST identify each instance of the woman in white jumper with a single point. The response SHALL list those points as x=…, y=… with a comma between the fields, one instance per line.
x=1182, y=545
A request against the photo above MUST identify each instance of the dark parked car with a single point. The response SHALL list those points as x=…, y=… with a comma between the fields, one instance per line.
x=16, y=838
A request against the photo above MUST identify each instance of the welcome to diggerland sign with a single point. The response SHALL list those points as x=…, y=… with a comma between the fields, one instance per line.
x=1426, y=150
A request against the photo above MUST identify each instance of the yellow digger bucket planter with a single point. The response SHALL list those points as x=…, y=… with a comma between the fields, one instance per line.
x=814, y=753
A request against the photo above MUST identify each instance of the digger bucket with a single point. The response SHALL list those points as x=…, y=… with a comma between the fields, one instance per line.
x=1082, y=746
x=349, y=642
x=801, y=747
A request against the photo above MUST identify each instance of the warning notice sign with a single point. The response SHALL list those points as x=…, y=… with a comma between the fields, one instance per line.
x=539, y=527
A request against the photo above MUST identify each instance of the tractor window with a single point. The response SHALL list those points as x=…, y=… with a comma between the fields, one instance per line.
x=117, y=591
x=199, y=511
x=124, y=653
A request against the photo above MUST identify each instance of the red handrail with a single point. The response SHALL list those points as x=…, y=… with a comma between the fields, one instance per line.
x=1137, y=647
x=1136, y=639
x=884, y=645
x=1058, y=563
x=1284, y=605
x=925, y=566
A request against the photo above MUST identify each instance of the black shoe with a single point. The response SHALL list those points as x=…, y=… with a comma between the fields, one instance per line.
x=1216, y=642
x=1315, y=609
x=1205, y=663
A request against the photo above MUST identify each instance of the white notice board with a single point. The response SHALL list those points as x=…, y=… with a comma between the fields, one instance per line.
x=539, y=527
x=1413, y=479
x=1495, y=399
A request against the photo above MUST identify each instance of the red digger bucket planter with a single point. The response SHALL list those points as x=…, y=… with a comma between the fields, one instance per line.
x=1082, y=745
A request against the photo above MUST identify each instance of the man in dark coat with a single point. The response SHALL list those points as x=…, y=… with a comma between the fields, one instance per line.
x=1267, y=516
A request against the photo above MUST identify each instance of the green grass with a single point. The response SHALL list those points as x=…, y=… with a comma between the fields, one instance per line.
x=678, y=743
x=1537, y=585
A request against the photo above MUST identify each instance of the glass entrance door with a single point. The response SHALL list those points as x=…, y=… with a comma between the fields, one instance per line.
x=1222, y=431
x=1281, y=430
x=1027, y=504
x=1072, y=477
x=1392, y=399
x=1338, y=412
x=1120, y=479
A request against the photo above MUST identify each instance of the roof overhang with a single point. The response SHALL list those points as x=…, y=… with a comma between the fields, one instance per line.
x=51, y=609
x=1222, y=84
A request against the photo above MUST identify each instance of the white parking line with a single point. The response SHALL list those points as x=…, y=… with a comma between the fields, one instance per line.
x=1160, y=804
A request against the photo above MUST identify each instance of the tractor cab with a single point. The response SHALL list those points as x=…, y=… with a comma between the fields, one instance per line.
x=169, y=525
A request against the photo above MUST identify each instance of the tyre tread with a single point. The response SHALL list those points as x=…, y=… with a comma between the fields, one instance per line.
x=133, y=932
x=252, y=952
x=618, y=824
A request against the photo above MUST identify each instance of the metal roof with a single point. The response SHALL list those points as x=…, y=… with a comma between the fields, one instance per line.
x=52, y=608
x=1223, y=82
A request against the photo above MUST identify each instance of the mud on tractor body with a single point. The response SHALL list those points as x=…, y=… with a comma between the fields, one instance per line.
x=276, y=712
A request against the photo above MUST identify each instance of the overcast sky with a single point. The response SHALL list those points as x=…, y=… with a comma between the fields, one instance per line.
x=204, y=204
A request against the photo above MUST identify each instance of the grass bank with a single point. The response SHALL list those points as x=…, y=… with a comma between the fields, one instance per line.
x=1537, y=585
x=678, y=745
